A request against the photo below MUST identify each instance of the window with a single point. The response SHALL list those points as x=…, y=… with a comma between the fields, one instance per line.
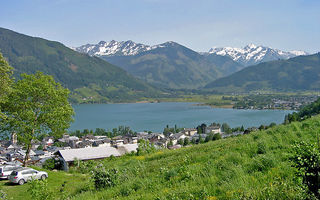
x=14, y=173
x=27, y=172
x=8, y=168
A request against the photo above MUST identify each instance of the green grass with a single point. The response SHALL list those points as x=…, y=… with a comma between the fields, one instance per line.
x=254, y=166
x=75, y=183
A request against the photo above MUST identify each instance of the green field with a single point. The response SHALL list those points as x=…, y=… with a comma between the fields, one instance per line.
x=254, y=166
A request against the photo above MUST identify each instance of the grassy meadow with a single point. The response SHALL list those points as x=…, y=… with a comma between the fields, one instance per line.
x=253, y=166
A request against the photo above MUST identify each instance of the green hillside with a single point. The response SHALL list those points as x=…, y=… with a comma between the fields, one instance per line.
x=175, y=66
x=296, y=74
x=253, y=166
x=91, y=78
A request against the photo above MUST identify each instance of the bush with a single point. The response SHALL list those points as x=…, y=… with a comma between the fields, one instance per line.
x=216, y=136
x=261, y=148
x=39, y=190
x=104, y=178
x=306, y=158
x=49, y=164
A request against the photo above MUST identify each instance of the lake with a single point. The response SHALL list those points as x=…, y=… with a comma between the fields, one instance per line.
x=155, y=116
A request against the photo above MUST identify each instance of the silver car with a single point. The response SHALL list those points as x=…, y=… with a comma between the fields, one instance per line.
x=6, y=170
x=26, y=174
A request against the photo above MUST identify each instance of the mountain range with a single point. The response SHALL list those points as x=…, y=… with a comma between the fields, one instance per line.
x=167, y=65
x=301, y=73
x=89, y=78
x=249, y=55
x=253, y=54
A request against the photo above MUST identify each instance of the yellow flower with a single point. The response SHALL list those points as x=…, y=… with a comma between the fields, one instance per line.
x=140, y=157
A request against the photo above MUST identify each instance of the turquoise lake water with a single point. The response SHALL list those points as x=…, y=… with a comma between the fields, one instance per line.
x=155, y=116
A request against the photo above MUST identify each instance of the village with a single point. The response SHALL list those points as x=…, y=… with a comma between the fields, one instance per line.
x=92, y=147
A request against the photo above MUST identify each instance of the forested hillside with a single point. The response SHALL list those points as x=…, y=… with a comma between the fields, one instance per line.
x=296, y=74
x=90, y=78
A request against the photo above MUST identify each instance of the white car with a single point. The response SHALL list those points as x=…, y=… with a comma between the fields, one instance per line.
x=26, y=174
x=6, y=170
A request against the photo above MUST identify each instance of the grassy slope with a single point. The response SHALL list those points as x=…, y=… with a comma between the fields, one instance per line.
x=253, y=166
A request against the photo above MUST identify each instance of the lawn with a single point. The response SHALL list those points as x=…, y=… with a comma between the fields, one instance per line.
x=74, y=183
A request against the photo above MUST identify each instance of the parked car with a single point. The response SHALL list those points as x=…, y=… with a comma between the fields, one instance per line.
x=25, y=174
x=6, y=170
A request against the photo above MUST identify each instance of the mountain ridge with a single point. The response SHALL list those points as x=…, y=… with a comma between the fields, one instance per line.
x=174, y=66
x=88, y=77
x=249, y=55
x=253, y=54
x=301, y=73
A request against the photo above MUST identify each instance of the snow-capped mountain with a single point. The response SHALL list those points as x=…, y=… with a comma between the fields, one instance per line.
x=253, y=54
x=249, y=55
x=112, y=48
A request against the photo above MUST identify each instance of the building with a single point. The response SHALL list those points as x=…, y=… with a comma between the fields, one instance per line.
x=213, y=129
x=92, y=153
x=189, y=131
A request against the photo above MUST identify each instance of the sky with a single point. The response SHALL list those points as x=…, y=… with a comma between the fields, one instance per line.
x=197, y=24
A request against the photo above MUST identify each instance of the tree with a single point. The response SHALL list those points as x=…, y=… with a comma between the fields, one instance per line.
x=216, y=136
x=226, y=128
x=186, y=141
x=203, y=128
x=201, y=140
x=37, y=105
x=180, y=141
x=199, y=130
x=5, y=81
x=145, y=147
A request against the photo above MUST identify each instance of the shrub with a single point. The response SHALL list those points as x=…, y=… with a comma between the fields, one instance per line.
x=306, y=158
x=104, y=178
x=216, y=136
x=39, y=190
x=261, y=148
x=49, y=164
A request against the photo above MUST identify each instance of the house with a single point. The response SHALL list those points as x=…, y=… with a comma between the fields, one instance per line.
x=189, y=131
x=116, y=141
x=48, y=141
x=213, y=129
x=91, y=153
x=155, y=137
x=176, y=137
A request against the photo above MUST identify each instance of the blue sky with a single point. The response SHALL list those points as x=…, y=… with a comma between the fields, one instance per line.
x=197, y=24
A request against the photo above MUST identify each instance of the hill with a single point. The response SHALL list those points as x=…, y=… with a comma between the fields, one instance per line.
x=168, y=65
x=253, y=166
x=296, y=74
x=90, y=78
